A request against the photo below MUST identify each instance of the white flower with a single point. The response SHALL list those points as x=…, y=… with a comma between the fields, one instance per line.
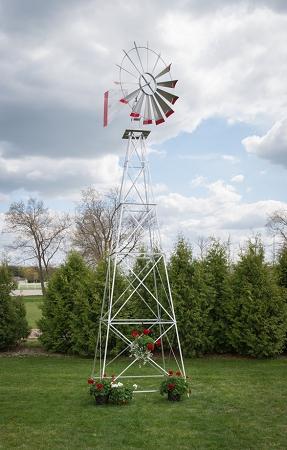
x=114, y=385
x=135, y=386
x=120, y=384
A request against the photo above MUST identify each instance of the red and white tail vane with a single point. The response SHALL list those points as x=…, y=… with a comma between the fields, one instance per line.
x=111, y=104
x=146, y=85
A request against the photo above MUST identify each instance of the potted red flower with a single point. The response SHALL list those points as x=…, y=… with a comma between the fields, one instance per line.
x=100, y=389
x=174, y=385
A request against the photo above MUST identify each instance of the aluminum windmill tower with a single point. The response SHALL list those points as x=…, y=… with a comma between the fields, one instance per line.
x=143, y=302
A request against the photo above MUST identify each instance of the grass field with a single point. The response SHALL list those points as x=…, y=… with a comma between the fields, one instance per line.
x=33, y=309
x=235, y=404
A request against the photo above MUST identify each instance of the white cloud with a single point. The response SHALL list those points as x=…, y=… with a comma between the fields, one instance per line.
x=237, y=178
x=231, y=158
x=231, y=62
x=272, y=146
x=221, y=212
x=58, y=177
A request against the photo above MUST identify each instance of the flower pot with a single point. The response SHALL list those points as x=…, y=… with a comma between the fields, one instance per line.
x=173, y=397
x=101, y=399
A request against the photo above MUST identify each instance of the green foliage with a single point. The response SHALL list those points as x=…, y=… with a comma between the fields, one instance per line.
x=100, y=387
x=192, y=300
x=14, y=326
x=71, y=309
x=259, y=320
x=151, y=272
x=282, y=267
x=220, y=301
x=120, y=393
x=177, y=385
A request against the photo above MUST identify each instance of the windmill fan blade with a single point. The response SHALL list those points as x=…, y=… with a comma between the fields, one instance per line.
x=167, y=69
x=168, y=84
x=130, y=96
x=137, y=107
x=158, y=117
x=147, y=112
x=164, y=106
x=169, y=97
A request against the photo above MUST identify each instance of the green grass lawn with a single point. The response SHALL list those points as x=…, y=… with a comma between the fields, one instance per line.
x=33, y=309
x=235, y=404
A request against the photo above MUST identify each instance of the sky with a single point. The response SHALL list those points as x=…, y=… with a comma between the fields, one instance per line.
x=218, y=164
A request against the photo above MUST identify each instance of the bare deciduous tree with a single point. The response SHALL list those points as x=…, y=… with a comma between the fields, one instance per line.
x=95, y=220
x=203, y=244
x=277, y=224
x=39, y=234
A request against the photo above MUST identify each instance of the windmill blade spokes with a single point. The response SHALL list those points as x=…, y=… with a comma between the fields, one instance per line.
x=147, y=57
x=158, y=117
x=136, y=111
x=155, y=64
x=130, y=96
x=166, y=70
x=130, y=73
x=168, y=84
x=147, y=112
x=168, y=96
x=164, y=106
x=137, y=50
x=128, y=56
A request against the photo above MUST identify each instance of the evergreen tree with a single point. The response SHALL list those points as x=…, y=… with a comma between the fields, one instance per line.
x=152, y=273
x=282, y=277
x=71, y=309
x=282, y=267
x=191, y=295
x=220, y=304
x=13, y=323
x=259, y=310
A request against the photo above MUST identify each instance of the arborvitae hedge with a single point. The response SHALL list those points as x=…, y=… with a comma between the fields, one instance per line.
x=219, y=308
x=13, y=323
x=192, y=297
x=218, y=279
x=71, y=309
x=259, y=316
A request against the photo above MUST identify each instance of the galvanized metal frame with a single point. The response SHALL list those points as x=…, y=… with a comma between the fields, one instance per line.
x=137, y=203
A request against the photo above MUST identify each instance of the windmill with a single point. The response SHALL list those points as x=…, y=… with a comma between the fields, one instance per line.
x=137, y=315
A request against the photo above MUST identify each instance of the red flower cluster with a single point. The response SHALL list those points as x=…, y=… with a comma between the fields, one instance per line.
x=170, y=386
x=171, y=373
x=99, y=386
x=91, y=381
x=146, y=331
x=158, y=343
x=150, y=346
x=135, y=333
